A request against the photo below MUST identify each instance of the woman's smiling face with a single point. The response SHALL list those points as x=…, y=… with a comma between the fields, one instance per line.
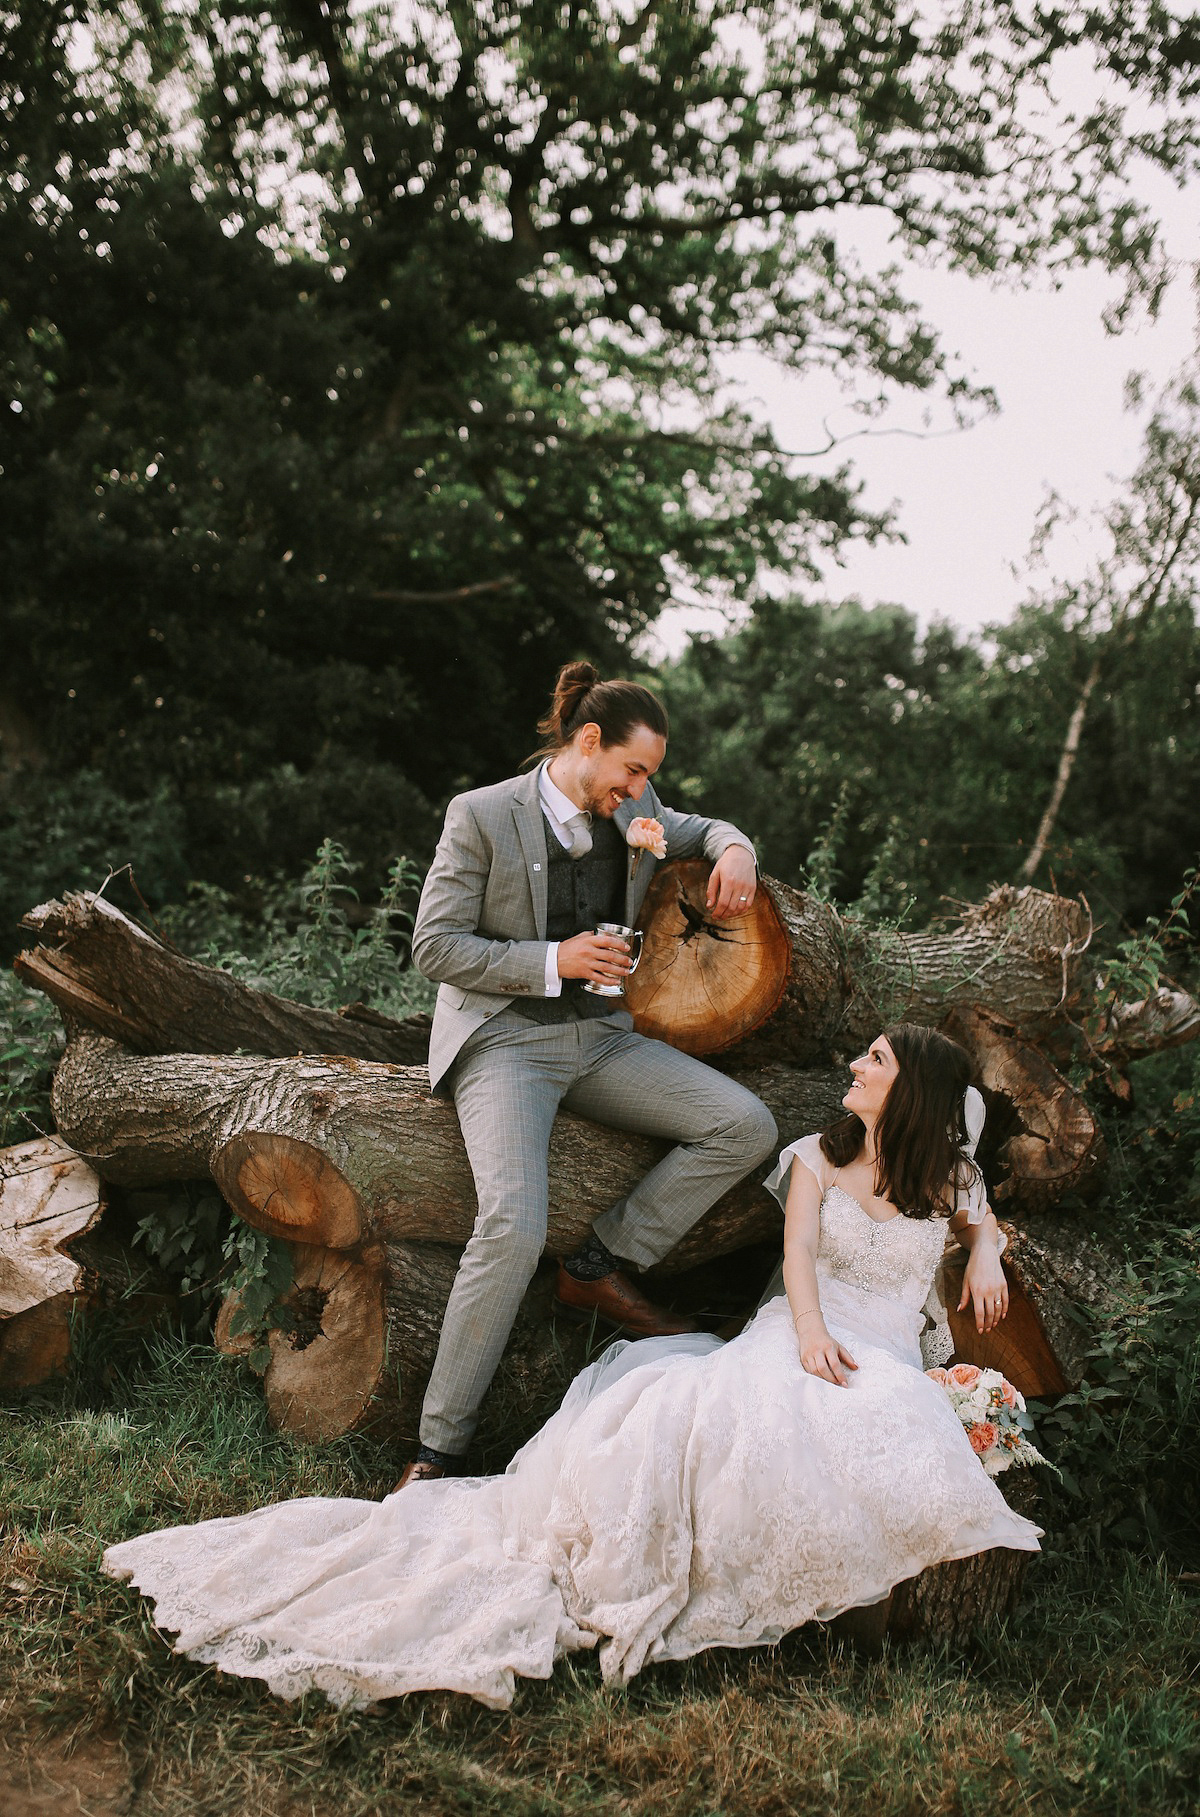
x=873, y=1074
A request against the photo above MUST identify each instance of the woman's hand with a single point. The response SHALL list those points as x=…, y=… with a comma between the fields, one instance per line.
x=822, y=1355
x=985, y=1286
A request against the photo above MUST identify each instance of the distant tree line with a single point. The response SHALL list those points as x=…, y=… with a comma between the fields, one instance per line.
x=364, y=363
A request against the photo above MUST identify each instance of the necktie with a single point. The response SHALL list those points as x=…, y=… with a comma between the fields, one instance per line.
x=579, y=827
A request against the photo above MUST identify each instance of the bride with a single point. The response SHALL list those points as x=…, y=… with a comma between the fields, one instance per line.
x=687, y=1493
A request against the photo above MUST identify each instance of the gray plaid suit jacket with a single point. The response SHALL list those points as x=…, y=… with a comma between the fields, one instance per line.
x=480, y=931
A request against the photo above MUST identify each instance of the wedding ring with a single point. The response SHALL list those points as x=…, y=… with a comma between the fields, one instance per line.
x=743, y=898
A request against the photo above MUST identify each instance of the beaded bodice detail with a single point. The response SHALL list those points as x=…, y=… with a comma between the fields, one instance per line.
x=896, y=1258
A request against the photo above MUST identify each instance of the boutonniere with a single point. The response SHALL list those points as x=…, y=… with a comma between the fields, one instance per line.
x=646, y=835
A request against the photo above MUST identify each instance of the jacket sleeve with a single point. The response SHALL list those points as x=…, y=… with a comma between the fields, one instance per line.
x=447, y=945
x=695, y=835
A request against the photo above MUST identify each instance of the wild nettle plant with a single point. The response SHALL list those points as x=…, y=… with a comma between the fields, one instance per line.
x=822, y=867
x=313, y=941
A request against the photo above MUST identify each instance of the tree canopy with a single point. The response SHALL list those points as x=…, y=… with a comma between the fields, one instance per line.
x=365, y=361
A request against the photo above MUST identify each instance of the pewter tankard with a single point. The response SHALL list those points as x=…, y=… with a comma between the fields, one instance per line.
x=628, y=935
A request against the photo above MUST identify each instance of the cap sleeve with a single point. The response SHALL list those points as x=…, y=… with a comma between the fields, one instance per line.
x=971, y=1196
x=808, y=1152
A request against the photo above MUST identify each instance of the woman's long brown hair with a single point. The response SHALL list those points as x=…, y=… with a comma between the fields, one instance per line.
x=921, y=1135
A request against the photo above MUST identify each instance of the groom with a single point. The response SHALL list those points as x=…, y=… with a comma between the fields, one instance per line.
x=524, y=872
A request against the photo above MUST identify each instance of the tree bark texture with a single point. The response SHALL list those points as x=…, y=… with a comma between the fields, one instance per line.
x=58, y=1262
x=363, y=1150
x=366, y=1333
x=1070, y=1272
x=105, y=971
x=948, y=1603
x=821, y=987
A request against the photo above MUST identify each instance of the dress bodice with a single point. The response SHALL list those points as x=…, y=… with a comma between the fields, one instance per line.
x=896, y=1258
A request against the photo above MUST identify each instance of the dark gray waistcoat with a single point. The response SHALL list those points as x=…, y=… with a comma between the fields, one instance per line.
x=580, y=893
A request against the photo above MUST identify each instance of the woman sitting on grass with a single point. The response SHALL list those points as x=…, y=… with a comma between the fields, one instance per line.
x=687, y=1493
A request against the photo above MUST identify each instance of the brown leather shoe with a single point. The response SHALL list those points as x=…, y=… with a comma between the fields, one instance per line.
x=615, y=1302
x=420, y=1472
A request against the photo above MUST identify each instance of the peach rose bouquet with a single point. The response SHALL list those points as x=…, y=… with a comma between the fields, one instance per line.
x=992, y=1414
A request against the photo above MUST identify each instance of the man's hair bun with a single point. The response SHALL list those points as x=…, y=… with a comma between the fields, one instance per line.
x=581, y=698
x=575, y=681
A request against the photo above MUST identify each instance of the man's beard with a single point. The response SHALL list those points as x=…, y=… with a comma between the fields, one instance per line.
x=598, y=802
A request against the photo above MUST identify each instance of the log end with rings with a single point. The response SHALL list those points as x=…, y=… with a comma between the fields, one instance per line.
x=704, y=983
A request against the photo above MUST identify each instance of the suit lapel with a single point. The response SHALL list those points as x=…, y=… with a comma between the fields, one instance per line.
x=531, y=830
x=639, y=865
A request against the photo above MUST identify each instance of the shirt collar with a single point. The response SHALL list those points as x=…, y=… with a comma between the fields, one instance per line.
x=559, y=806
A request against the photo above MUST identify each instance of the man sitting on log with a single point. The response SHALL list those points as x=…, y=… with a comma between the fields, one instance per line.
x=524, y=873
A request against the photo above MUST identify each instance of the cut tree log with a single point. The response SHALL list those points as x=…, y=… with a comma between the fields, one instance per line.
x=363, y=1166
x=107, y=972
x=1168, y=1018
x=361, y=1328
x=331, y=1151
x=951, y=1602
x=364, y=1333
x=1041, y=1139
x=1018, y=1347
x=58, y=1261
x=49, y=1200
x=49, y=1196
x=705, y=985
x=791, y=982
x=794, y=983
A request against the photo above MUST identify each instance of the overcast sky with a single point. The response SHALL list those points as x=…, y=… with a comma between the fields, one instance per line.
x=967, y=502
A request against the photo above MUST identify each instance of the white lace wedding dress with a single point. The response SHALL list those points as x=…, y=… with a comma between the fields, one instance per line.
x=687, y=1494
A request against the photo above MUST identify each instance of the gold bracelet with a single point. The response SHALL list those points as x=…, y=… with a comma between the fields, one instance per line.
x=805, y=1315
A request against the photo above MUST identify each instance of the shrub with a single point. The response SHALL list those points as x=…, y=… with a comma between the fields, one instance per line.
x=312, y=941
x=31, y=1040
x=1128, y=1440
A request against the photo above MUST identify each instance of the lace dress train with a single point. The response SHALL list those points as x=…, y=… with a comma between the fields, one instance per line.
x=687, y=1494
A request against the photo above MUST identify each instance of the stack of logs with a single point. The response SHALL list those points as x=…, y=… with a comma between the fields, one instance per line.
x=319, y=1128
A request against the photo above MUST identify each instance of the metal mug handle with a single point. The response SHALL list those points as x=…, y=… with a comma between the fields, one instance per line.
x=640, y=938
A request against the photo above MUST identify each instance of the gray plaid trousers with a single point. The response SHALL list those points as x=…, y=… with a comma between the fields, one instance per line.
x=508, y=1083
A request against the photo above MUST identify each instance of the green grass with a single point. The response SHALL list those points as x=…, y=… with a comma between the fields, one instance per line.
x=1086, y=1702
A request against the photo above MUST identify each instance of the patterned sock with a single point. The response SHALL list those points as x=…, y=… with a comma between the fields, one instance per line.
x=447, y=1461
x=591, y=1261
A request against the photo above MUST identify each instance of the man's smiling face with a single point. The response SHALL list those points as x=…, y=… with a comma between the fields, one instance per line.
x=611, y=774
